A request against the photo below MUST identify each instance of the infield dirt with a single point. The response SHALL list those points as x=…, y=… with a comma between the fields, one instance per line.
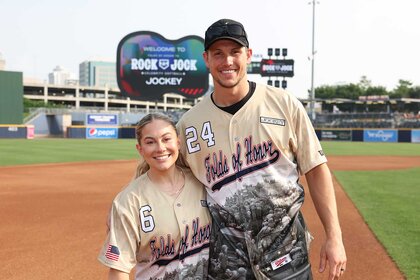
x=53, y=220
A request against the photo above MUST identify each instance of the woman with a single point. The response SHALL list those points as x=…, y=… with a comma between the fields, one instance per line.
x=160, y=221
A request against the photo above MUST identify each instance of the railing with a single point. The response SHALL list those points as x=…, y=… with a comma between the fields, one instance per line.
x=365, y=120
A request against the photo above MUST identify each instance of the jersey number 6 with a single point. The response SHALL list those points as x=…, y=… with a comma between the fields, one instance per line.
x=146, y=221
x=192, y=137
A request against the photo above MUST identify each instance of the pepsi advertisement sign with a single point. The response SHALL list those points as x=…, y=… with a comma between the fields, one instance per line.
x=101, y=132
x=149, y=65
x=385, y=135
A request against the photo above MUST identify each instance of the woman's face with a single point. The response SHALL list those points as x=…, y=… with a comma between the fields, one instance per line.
x=159, y=145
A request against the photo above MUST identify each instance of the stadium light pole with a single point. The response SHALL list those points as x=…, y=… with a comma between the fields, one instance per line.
x=312, y=99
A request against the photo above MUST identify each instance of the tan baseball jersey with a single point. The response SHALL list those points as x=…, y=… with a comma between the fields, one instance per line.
x=163, y=236
x=250, y=162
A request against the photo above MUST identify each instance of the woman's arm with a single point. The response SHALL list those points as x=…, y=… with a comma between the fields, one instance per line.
x=117, y=275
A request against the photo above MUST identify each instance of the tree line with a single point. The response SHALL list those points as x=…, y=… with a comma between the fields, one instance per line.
x=364, y=87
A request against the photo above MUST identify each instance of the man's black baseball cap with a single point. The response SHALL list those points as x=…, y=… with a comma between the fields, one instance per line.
x=225, y=29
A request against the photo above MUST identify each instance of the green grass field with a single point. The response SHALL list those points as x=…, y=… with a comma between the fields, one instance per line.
x=388, y=200
x=370, y=149
x=23, y=151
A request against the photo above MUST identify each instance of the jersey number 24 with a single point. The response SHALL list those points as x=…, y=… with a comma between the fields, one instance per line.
x=192, y=137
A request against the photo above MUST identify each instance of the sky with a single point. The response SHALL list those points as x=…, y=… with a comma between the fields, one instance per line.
x=379, y=39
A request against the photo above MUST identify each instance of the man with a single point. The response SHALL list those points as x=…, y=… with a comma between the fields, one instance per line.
x=248, y=143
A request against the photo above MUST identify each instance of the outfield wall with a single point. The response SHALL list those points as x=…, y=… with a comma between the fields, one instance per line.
x=369, y=135
x=127, y=132
x=16, y=131
x=356, y=135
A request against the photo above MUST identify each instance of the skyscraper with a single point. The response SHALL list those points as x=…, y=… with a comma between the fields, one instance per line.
x=60, y=76
x=98, y=73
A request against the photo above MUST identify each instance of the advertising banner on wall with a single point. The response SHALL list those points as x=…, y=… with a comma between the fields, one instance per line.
x=102, y=119
x=415, y=136
x=277, y=67
x=30, y=132
x=148, y=65
x=101, y=132
x=381, y=135
x=336, y=135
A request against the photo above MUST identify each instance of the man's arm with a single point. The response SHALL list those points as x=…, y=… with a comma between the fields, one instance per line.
x=322, y=192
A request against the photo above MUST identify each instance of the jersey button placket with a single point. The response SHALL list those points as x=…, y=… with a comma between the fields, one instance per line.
x=233, y=134
x=234, y=140
x=180, y=216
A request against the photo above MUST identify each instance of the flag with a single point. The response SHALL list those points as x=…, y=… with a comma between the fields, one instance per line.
x=112, y=253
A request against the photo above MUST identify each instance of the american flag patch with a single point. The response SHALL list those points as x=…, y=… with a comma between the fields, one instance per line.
x=112, y=253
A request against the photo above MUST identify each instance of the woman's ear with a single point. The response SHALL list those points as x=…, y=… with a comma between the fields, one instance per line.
x=139, y=149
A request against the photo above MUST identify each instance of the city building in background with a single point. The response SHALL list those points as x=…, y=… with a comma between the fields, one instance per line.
x=60, y=76
x=98, y=74
x=2, y=62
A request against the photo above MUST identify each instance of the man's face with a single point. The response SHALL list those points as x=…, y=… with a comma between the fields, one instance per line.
x=227, y=62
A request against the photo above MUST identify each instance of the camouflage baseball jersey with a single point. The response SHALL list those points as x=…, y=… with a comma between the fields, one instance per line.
x=163, y=236
x=250, y=163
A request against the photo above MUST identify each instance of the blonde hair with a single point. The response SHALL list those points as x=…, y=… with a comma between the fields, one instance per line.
x=143, y=167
